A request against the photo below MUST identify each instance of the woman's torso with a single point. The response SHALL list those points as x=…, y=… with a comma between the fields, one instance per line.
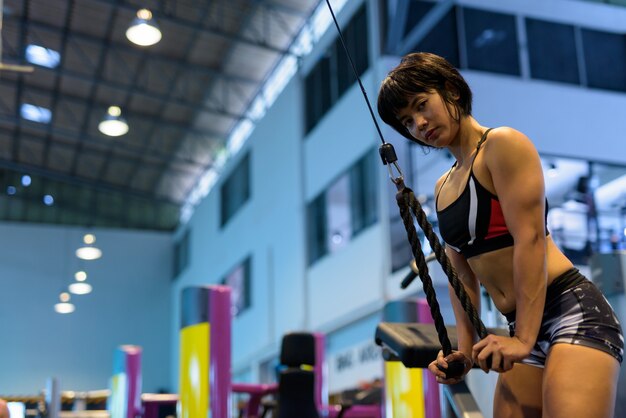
x=494, y=269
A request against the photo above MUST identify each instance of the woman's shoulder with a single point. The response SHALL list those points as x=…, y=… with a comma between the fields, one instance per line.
x=506, y=133
x=507, y=139
x=507, y=147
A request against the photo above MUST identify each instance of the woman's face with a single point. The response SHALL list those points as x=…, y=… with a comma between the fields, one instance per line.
x=428, y=118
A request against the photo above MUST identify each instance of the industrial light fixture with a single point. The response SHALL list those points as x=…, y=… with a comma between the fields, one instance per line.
x=39, y=55
x=89, y=251
x=34, y=113
x=113, y=124
x=64, y=306
x=48, y=200
x=143, y=30
x=80, y=287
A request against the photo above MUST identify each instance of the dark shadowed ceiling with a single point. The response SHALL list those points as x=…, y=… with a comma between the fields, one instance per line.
x=181, y=98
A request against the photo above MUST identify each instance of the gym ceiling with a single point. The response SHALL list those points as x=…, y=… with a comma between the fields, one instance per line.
x=180, y=97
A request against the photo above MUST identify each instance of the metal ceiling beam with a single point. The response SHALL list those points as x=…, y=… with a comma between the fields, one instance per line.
x=78, y=181
x=20, y=77
x=246, y=19
x=137, y=152
x=132, y=115
x=199, y=27
x=57, y=79
x=283, y=8
x=99, y=67
x=139, y=90
x=247, y=106
x=170, y=91
x=128, y=49
x=108, y=154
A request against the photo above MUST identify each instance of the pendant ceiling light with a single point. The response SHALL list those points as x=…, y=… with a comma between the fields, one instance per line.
x=143, y=31
x=64, y=306
x=89, y=251
x=113, y=124
x=80, y=286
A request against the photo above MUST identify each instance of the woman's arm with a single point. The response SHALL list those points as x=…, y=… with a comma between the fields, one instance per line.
x=466, y=334
x=517, y=176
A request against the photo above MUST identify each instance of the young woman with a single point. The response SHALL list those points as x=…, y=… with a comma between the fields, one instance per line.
x=565, y=347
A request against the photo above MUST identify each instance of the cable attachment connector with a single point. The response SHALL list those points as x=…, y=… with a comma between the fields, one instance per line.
x=389, y=157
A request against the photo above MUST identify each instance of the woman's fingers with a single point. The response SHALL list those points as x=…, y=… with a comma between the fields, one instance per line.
x=440, y=366
x=497, y=353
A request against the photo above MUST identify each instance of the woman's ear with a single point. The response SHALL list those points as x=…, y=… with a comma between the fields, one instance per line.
x=454, y=92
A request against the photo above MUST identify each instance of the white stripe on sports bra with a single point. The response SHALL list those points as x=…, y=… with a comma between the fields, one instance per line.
x=473, y=210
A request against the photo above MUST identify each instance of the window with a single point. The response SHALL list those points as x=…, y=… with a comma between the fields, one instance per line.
x=587, y=213
x=316, y=228
x=552, y=51
x=491, y=41
x=235, y=190
x=343, y=210
x=363, y=187
x=333, y=75
x=417, y=10
x=318, y=93
x=181, y=254
x=239, y=282
x=605, y=59
x=442, y=39
x=355, y=35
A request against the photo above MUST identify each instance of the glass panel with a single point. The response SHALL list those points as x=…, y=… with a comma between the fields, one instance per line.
x=443, y=39
x=181, y=254
x=239, y=282
x=491, y=41
x=347, y=207
x=357, y=43
x=417, y=10
x=317, y=92
x=236, y=190
x=338, y=214
x=587, y=206
x=363, y=187
x=552, y=51
x=333, y=74
x=605, y=59
x=316, y=228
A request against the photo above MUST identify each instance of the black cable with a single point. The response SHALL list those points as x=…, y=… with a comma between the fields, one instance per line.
x=356, y=73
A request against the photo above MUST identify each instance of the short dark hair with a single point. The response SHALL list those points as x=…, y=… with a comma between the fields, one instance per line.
x=421, y=72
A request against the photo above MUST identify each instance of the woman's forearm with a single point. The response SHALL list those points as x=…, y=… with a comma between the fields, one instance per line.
x=530, y=276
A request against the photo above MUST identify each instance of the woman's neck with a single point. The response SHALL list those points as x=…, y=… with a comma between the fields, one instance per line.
x=467, y=138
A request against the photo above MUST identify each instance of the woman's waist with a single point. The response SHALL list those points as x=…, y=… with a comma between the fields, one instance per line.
x=567, y=280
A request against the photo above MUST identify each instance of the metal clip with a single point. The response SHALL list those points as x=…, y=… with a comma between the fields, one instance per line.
x=400, y=178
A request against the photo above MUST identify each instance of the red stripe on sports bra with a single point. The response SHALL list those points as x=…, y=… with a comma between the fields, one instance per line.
x=497, y=225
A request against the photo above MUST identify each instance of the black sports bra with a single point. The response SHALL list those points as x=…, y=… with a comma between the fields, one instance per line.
x=474, y=223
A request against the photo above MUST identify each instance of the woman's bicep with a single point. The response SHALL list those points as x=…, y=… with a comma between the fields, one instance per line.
x=461, y=266
x=517, y=177
x=465, y=329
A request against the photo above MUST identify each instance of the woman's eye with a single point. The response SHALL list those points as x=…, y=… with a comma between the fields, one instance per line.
x=421, y=105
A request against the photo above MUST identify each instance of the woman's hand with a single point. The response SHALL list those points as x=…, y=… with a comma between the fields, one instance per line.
x=442, y=363
x=499, y=353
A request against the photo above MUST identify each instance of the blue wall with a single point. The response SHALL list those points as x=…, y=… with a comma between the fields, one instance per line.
x=129, y=304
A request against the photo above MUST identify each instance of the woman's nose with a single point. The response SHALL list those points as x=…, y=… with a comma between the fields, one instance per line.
x=420, y=122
